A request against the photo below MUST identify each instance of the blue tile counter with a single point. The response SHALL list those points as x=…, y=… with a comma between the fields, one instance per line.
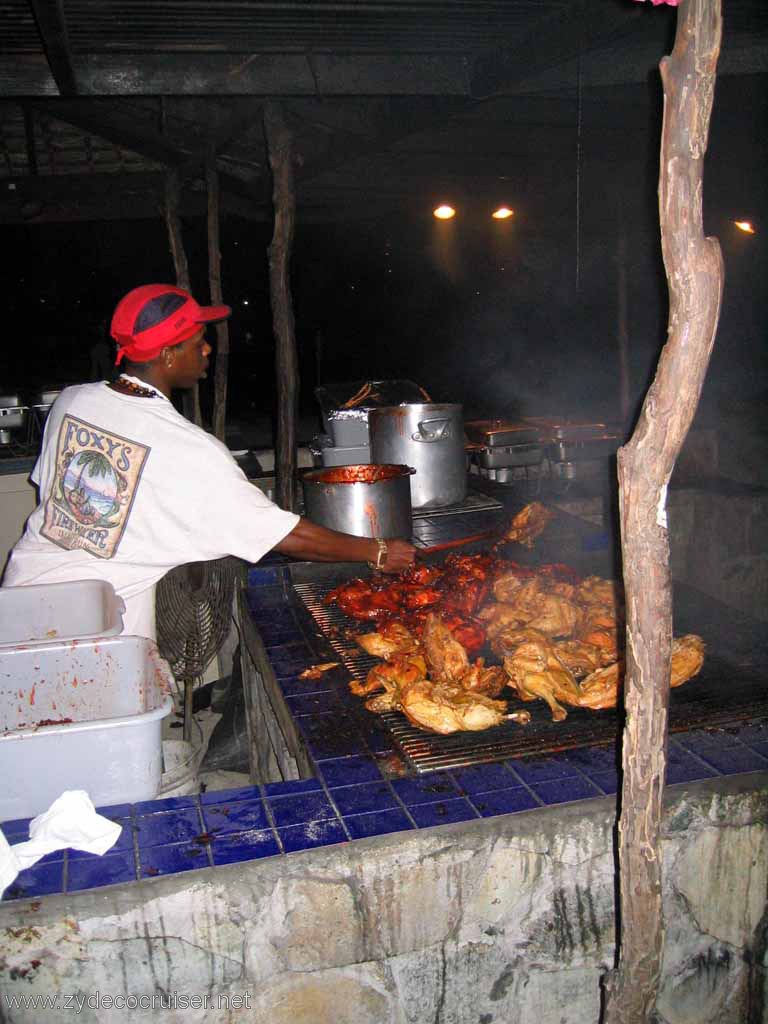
x=359, y=892
x=355, y=795
x=359, y=788
x=352, y=781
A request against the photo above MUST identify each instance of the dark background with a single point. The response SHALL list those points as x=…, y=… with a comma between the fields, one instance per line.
x=510, y=318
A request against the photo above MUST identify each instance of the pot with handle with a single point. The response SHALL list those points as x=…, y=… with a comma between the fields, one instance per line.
x=364, y=500
x=430, y=438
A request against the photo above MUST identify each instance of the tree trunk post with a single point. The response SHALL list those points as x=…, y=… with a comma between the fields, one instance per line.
x=221, y=362
x=191, y=397
x=280, y=147
x=694, y=272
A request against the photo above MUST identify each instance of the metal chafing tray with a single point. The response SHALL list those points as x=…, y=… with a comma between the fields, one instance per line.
x=568, y=441
x=13, y=416
x=581, y=451
x=572, y=431
x=491, y=433
x=507, y=456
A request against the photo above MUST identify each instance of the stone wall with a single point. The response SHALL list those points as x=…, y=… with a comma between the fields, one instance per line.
x=507, y=919
x=719, y=544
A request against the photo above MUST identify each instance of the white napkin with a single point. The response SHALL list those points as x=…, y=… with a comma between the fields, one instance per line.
x=70, y=821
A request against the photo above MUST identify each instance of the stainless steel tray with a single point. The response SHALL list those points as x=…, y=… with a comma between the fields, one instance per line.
x=564, y=430
x=582, y=451
x=500, y=432
x=13, y=417
x=500, y=457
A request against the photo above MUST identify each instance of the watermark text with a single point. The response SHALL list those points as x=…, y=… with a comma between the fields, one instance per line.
x=77, y=1002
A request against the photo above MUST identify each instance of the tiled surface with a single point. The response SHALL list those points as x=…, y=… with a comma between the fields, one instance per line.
x=357, y=791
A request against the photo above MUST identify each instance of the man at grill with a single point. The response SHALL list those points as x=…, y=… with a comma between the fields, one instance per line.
x=129, y=488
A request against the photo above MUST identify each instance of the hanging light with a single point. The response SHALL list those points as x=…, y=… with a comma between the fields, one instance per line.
x=745, y=226
x=444, y=212
x=503, y=213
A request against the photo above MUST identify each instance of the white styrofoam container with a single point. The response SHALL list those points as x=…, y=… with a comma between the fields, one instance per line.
x=59, y=611
x=115, y=690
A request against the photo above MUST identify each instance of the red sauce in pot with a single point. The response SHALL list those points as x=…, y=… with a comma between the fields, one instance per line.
x=358, y=474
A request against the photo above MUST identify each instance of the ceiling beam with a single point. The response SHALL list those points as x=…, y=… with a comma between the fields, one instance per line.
x=105, y=119
x=52, y=26
x=584, y=28
x=269, y=74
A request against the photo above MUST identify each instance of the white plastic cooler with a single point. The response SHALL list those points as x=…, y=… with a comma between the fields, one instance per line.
x=81, y=714
x=59, y=611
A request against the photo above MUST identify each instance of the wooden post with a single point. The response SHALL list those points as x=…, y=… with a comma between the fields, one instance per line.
x=173, y=224
x=214, y=277
x=280, y=147
x=694, y=271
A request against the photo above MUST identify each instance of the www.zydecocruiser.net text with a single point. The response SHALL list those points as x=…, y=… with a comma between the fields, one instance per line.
x=78, y=1002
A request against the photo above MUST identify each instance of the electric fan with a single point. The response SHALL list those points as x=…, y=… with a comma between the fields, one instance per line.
x=194, y=615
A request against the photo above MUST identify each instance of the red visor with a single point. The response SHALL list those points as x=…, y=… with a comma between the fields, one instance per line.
x=156, y=315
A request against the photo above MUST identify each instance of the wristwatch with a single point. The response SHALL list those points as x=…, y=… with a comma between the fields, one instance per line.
x=381, y=556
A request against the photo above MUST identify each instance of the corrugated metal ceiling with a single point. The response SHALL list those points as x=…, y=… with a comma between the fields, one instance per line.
x=406, y=93
x=244, y=26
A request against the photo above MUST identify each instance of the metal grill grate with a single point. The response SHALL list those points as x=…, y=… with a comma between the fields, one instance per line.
x=425, y=752
x=699, y=704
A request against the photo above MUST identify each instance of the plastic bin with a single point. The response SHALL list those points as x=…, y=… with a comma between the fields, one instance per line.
x=84, y=714
x=59, y=611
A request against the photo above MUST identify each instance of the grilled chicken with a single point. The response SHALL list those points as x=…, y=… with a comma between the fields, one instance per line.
x=489, y=680
x=550, y=629
x=536, y=672
x=539, y=602
x=401, y=668
x=528, y=524
x=392, y=638
x=442, y=708
x=446, y=658
x=361, y=600
x=601, y=688
x=580, y=658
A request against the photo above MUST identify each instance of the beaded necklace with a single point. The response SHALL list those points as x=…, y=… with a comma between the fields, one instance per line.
x=124, y=386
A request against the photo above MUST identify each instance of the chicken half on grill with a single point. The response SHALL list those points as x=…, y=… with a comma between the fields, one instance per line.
x=528, y=524
x=440, y=707
x=601, y=688
x=459, y=696
x=559, y=638
x=536, y=671
x=392, y=638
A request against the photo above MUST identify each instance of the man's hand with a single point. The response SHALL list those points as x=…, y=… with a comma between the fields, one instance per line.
x=400, y=555
x=315, y=543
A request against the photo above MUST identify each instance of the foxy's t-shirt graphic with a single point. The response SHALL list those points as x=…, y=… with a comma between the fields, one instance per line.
x=96, y=477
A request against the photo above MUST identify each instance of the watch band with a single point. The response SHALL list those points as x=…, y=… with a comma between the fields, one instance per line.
x=381, y=555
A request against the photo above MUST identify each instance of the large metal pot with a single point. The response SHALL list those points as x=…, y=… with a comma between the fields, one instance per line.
x=429, y=437
x=366, y=501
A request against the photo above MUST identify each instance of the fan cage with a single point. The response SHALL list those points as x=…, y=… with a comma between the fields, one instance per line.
x=194, y=614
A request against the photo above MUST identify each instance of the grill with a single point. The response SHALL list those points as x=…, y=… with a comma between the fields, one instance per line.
x=730, y=688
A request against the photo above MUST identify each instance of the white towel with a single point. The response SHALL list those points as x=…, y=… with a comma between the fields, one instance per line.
x=70, y=821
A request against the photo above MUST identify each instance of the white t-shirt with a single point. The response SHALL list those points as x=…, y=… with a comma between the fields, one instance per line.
x=130, y=489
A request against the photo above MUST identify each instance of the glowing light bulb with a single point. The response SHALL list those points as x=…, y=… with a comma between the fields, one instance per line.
x=745, y=226
x=503, y=213
x=444, y=212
